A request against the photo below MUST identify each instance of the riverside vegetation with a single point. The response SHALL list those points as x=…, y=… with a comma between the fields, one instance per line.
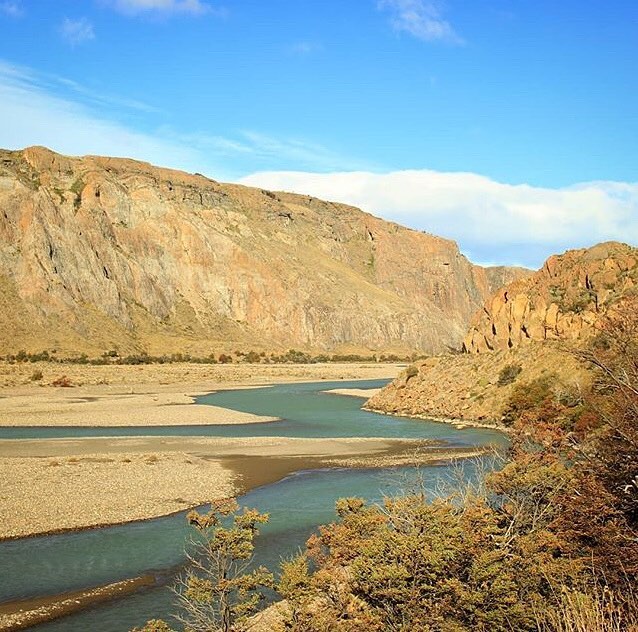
x=115, y=262
x=548, y=542
x=292, y=356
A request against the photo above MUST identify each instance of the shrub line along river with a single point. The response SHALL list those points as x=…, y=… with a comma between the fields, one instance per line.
x=297, y=504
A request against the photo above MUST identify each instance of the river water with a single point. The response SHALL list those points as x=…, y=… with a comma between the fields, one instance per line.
x=297, y=504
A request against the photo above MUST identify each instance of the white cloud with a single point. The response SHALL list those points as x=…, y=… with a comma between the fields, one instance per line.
x=98, y=98
x=490, y=220
x=420, y=18
x=192, y=7
x=77, y=31
x=11, y=8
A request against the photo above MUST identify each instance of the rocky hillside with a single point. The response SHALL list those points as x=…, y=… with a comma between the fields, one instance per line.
x=562, y=301
x=524, y=332
x=469, y=388
x=104, y=253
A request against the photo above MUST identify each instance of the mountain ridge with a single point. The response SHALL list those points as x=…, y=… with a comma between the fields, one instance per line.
x=100, y=253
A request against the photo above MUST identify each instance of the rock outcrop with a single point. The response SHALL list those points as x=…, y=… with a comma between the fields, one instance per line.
x=562, y=301
x=529, y=327
x=103, y=253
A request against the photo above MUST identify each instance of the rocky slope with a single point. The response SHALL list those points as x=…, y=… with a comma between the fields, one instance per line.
x=562, y=301
x=531, y=324
x=104, y=253
x=466, y=387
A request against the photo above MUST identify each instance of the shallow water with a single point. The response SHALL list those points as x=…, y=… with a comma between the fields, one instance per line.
x=305, y=411
x=297, y=504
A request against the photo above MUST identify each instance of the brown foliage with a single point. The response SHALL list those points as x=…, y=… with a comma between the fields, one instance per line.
x=62, y=381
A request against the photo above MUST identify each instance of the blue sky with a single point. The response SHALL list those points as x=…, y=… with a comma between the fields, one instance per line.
x=481, y=121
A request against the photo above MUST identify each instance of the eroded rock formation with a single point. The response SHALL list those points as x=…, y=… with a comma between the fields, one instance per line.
x=562, y=301
x=530, y=326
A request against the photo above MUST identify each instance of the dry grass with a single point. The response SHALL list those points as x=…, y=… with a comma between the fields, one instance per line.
x=597, y=611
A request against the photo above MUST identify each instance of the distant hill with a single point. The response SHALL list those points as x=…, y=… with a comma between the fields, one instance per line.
x=105, y=253
x=527, y=329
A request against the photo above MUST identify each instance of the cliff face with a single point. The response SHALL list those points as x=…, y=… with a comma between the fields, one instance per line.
x=530, y=324
x=563, y=300
x=103, y=253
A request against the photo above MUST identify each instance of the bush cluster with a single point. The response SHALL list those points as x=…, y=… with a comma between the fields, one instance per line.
x=292, y=356
x=508, y=374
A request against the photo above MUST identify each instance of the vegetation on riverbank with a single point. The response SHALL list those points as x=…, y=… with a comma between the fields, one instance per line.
x=292, y=356
x=548, y=543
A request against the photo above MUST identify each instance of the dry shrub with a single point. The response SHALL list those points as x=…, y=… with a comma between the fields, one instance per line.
x=63, y=382
x=597, y=611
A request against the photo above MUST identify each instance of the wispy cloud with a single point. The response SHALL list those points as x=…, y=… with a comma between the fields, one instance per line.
x=40, y=115
x=77, y=31
x=260, y=149
x=11, y=8
x=294, y=150
x=422, y=19
x=192, y=7
x=492, y=221
x=72, y=118
x=65, y=88
x=98, y=98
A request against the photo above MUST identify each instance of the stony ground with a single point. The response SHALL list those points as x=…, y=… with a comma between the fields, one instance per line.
x=466, y=387
x=38, y=495
x=215, y=375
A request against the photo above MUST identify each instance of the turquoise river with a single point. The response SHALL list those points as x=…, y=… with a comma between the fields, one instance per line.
x=49, y=565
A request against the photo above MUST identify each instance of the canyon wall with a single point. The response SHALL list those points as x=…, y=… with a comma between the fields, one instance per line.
x=104, y=253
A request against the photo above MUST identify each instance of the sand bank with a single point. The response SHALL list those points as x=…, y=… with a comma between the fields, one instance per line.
x=143, y=477
x=20, y=615
x=114, y=406
x=158, y=395
x=366, y=393
x=39, y=495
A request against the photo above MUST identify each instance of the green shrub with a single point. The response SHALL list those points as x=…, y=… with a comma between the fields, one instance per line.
x=528, y=395
x=508, y=374
x=252, y=357
x=411, y=371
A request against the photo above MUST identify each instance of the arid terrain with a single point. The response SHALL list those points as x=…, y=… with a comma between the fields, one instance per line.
x=149, y=394
x=531, y=328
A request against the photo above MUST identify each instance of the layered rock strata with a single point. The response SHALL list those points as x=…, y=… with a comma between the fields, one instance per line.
x=103, y=253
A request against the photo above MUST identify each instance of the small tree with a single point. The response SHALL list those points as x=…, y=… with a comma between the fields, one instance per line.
x=219, y=591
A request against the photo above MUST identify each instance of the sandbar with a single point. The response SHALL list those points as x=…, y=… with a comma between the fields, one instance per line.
x=366, y=393
x=149, y=395
x=135, y=478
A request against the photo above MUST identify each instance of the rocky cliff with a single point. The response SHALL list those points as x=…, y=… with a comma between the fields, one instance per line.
x=103, y=253
x=562, y=301
x=529, y=326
